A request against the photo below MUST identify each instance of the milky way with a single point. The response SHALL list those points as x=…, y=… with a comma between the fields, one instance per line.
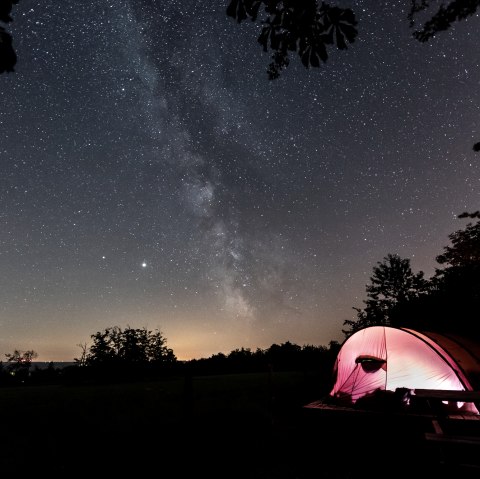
x=152, y=175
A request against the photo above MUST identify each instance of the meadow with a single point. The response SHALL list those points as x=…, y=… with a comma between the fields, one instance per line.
x=226, y=426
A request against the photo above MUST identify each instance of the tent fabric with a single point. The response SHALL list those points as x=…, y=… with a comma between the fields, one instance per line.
x=465, y=352
x=386, y=358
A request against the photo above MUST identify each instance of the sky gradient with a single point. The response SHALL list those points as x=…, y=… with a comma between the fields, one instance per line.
x=151, y=174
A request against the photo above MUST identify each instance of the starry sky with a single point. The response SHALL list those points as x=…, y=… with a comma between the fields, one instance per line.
x=152, y=176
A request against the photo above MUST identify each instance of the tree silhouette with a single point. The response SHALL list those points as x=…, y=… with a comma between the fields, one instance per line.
x=278, y=357
x=457, y=285
x=82, y=360
x=19, y=363
x=393, y=283
x=464, y=250
x=443, y=18
x=300, y=26
x=129, y=350
x=448, y=302
x=8, y=57
x=308, y=27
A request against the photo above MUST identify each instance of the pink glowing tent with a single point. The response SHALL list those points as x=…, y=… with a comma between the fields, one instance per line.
x=386, y=358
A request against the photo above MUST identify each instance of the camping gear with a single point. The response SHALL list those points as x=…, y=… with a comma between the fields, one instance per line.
x=384, y=358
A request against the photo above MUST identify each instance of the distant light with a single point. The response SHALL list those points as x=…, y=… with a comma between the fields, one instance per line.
x=144, y=265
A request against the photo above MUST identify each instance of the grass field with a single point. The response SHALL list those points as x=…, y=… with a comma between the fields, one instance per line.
x=230, y=426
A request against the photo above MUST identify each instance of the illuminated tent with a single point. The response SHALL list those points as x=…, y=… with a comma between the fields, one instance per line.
x=382, y=358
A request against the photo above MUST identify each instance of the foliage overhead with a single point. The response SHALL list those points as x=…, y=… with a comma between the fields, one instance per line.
x=308, y=26
x=303, y=26
x=443, y=19
x=300, y=26
x=8, y=57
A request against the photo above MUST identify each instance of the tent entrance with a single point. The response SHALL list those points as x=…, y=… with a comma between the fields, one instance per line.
x=371, y=364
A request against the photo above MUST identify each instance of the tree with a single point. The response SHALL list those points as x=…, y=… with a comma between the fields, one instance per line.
x=447, y=303
x=392, y=283
x=19, y=363
x=456, y=287
x=443, y=18
x=129, y=348
x=300, y=26
x=82, y=360
x=308, y=27
x=8, y=57
x=464, y=250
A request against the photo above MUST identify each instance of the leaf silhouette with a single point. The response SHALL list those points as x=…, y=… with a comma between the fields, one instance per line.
x=280, y=61
x=8, y=57
x=312, y=53
x=242, y=9
x=5, y=10
x=300, y=26
x=444, y=18
x=339, y=24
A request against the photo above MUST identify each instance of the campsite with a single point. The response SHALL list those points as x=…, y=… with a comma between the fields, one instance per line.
x=232, y=429
x=271, y=424
x=239, y=239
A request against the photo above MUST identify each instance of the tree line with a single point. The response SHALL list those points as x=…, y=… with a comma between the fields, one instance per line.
x=135, y=354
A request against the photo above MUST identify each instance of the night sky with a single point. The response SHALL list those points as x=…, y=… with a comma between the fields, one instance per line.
x=151, y=174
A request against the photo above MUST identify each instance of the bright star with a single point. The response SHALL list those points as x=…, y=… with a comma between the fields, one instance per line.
x=144, y=265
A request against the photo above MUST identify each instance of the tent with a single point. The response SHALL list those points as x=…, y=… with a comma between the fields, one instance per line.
x=383, y=358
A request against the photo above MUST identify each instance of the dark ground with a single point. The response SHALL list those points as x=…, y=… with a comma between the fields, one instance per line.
x=239, y=426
